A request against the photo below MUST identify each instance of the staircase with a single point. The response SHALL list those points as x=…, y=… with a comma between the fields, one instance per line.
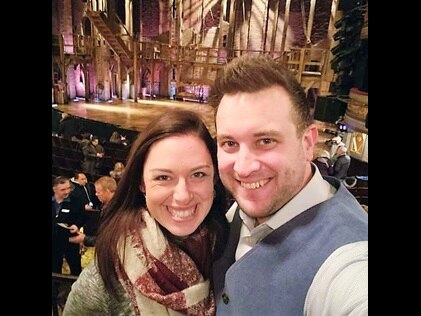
x=100, y=21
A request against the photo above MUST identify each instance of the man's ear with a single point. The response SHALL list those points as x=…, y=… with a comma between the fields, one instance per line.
x=310, y=138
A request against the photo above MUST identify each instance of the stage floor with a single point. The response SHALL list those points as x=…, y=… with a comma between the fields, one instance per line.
x=134, y=115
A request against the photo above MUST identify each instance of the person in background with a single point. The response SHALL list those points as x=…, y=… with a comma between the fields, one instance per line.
x=68, y=126
x=82, y=190
x=104, y=190
x=117, y=138
x=67, y=216
x=117, y=171
x=83, y=138
x=323, y=162
x=162, y=229
x=298, y=243
x=342, y=162
x=93, y=153
x=335, y=142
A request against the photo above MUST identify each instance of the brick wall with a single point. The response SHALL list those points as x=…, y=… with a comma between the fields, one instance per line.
x=150, y=18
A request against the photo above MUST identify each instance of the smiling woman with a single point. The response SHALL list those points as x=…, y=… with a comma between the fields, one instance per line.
x=179, y=193
x=168, y=212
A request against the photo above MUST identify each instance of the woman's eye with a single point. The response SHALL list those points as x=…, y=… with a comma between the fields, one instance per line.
x=162, y=178
x=199, y=174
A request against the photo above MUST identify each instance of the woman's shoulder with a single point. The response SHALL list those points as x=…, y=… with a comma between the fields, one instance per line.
x=88, y=294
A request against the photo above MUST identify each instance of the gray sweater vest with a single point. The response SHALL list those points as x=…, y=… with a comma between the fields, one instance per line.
x=273, y=278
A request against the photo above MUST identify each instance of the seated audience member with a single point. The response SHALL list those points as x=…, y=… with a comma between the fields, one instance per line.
x=117, y=138
x=342, y=163
x=83, y=138
x=68, y=126
x=324, y=163
x=335, y=142
x=117, y=171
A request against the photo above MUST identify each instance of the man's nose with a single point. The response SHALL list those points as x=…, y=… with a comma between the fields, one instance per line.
x=245, y=162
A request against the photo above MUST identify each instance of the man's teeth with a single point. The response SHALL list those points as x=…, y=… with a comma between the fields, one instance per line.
x=254, y=185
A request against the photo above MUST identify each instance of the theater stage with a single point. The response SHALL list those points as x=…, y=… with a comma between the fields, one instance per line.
x=134, y=115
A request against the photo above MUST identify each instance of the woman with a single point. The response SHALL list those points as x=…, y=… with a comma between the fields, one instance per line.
x=162, y=229
x=115, y=138
x=117, y=171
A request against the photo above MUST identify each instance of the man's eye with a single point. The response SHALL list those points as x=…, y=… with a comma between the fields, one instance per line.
x=266, y=141
x=228, y=143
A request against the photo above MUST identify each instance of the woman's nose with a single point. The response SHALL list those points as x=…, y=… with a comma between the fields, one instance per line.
x=182, y=192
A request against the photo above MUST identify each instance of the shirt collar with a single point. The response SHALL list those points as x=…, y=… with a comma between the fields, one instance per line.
x=314, y=192
x=53, y=199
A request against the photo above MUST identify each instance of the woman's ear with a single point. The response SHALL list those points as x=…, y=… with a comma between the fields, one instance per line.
x=142, y=187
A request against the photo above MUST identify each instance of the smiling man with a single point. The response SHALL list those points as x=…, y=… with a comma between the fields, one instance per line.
x=298, y=241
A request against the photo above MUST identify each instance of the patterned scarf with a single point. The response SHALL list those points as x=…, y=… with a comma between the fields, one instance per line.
x=159, y=270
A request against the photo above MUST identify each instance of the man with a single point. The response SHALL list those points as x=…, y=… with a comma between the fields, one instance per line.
x=93, y=154
x=105, y=188
x=298, y=241
x=83, y=191
x=67, y=216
